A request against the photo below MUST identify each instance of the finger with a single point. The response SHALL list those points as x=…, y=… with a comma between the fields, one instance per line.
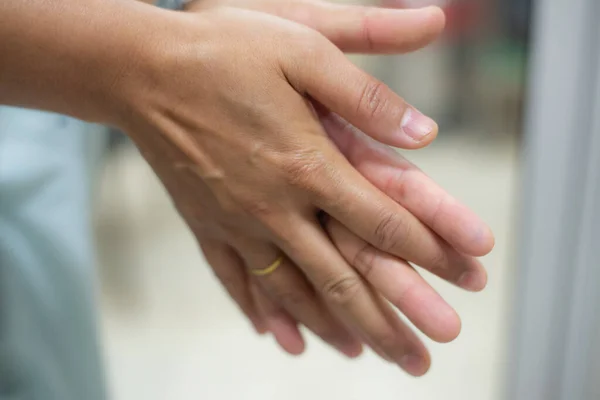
x=283, y=327
x=231, y=272
x=356, y=28
x=357, y=332
x=369, y=29
x=418, y=362
x=342, y=192
x=341, y=287
x=399, y=283
x=287, y=287
x=327, y=76
x=411, y=188
x=364, y=339
x=416, y=366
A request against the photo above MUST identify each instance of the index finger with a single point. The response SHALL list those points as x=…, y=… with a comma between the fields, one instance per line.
x=411, y=188
x=342, y=192
x=370, y=29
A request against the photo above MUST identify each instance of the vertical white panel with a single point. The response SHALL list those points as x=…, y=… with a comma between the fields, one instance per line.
x=558, y=279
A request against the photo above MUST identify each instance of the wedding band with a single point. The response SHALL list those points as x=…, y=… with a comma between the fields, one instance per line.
x=269, y=270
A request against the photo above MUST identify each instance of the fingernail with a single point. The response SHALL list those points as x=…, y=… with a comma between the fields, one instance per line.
x=416, y=125
x=413, y=364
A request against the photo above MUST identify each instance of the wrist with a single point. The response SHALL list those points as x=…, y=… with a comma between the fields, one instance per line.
x=147, y=83
x=131, y=58
x=76, y=58
x=125, y=70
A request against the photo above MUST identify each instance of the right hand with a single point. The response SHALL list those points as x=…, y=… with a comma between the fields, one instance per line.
x=222, y=114
x=395, y=279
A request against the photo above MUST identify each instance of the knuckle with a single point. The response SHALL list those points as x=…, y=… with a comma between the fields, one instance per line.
x=365, y=259
x=256, y=207
x=342, y=290
x=438, y=261
x=391, y=232
x=312, y=44
x=398, y=184
x=438, y=213
x=387, y=340
x=304, y=166
x=366, y=29
x=231, y=205
x=308, y=47
x=291, y=299
x=373, y=100
x=235, y=209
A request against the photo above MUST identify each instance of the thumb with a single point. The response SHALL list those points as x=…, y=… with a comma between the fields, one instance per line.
x=325, y=75
x=361, y=29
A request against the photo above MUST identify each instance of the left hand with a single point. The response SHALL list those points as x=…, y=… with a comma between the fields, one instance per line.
x=368, y=30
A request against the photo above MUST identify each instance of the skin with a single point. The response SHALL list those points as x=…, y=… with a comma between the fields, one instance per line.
x=264, y=299
x=235, y=109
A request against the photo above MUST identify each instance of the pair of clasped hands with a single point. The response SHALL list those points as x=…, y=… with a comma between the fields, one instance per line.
x=288, y=156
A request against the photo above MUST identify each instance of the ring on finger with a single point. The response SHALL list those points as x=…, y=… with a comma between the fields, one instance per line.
x=270, y=269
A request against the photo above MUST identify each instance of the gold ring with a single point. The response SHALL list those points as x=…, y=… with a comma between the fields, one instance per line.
x=269, y=270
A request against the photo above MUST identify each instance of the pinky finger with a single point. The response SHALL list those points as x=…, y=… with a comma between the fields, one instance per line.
x=283, y=327
x=231, y=272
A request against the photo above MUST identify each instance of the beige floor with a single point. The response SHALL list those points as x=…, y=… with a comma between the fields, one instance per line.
x=171, y=333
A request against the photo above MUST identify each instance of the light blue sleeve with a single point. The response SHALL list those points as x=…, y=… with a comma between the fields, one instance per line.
x=49, y=347
x=48, y=339
x=172, y=4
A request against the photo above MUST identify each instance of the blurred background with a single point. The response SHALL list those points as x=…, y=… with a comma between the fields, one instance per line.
x=170, y=331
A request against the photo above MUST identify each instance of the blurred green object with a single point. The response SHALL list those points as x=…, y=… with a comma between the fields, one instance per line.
x=499, y=82
x=503, y=62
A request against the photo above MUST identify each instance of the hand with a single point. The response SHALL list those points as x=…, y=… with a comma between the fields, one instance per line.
x=253, y=172
x=416, y=29
x=219, y=106
x=396, y=279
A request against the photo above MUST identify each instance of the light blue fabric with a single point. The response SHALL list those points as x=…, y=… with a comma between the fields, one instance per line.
x=172, y=4
x=48, y=337
x=49, y=347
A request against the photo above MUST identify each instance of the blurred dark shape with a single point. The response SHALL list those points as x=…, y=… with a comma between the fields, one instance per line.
x=517, y=17
x=482, y=57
